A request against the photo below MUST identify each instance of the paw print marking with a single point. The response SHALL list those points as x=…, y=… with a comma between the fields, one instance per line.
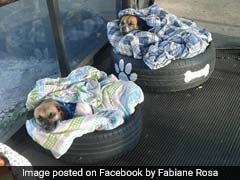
x=125, y=71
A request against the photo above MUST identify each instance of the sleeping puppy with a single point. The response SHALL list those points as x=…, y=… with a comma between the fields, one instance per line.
x=130, y=23
x=49, y=112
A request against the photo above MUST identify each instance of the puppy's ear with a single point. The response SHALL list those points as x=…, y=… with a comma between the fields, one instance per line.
x=142, y=24
x=62, y=110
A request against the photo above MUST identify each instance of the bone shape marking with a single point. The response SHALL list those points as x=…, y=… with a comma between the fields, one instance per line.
x=189, y=75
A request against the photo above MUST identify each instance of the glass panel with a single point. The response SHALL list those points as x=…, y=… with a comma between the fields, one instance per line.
x=27, y=50
x=85, y=26
x=27, y=53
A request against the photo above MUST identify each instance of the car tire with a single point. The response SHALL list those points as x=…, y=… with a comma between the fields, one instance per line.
x=180, y=74
x=101, y=146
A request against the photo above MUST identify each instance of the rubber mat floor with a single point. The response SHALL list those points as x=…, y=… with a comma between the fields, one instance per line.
x=196, y=127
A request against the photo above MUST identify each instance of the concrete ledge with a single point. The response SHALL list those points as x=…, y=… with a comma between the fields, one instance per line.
x=220, y=17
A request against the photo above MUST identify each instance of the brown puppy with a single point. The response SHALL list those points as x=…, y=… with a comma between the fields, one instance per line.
x=5, y=168
x=130, y=23
x=48, y=113
x=5, y=2
x=3, y=160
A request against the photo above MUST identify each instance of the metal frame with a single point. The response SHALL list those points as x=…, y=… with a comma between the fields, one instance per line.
x=123, y=4
x=57, y=28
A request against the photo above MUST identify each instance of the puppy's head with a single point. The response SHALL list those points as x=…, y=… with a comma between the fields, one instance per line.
x=129, y=23
x=3, y=160
x=48, y=113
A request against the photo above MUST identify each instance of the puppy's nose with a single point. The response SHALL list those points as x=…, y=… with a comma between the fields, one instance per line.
x=124, y=29
x=50, y=126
